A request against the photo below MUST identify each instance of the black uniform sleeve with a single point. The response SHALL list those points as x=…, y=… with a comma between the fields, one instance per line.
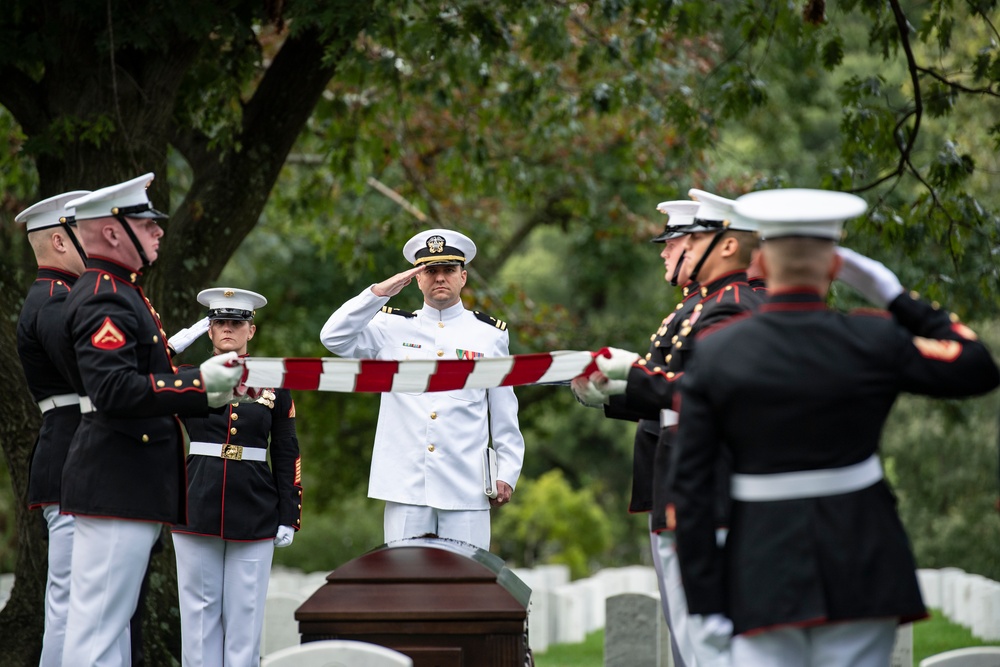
x=942, y=357
x=112, y=341
x=696, y=451
x=286, y=465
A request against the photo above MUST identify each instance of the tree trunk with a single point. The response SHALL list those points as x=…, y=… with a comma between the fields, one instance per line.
x=21, y=622
x=231, y=185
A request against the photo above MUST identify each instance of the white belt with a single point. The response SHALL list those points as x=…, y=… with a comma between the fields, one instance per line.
x=229, y=451
x=668, y=418
x=86, y=405
x=806, y=483
x=53, y=402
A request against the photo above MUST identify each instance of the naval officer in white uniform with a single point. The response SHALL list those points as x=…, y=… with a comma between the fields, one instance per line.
x=427, y=463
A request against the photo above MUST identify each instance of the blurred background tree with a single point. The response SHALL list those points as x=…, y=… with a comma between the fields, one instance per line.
x=301, y=143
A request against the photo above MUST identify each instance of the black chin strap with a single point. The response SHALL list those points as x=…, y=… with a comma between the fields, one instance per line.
x=677, y=268
x=64, y=223
x=704, y=256
x=135, y=241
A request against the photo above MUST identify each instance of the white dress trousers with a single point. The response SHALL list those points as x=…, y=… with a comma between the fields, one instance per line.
x=847, y=644
x=110, y=557
x=470, y=526
x=60, y=527
x=697, y=642
x=222, y=588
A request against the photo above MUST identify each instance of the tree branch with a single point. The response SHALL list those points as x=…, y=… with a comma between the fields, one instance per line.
x=988, y=90
x=230, y=189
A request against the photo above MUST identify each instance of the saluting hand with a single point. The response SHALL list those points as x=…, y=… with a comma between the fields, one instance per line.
x=393, y=286
x=870, y=277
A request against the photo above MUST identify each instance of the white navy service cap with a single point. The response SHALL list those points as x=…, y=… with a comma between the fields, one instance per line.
x=50, y=212
x=439, y=246
x=800, y=212
x=681, y=214
x=128, y=199
x=715, y=212
x=230, y=303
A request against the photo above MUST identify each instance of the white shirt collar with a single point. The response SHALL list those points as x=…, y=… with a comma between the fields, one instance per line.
x=449, y=313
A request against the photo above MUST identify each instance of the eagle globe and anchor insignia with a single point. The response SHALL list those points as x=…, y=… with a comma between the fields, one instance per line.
x=232, y=452
x=435, y=244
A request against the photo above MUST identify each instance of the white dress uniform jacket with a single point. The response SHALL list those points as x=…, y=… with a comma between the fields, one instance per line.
x=429, y=445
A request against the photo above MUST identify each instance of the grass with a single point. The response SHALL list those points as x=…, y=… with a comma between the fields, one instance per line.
x=930, y=637
x=588, y=654
x=938, y=635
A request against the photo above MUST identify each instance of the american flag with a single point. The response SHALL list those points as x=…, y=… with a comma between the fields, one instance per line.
x=415, y=375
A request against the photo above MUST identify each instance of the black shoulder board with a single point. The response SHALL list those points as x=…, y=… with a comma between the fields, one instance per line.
x=389, y=310
x=499, y=324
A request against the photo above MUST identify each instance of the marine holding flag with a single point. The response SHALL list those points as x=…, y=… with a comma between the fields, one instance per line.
x=430, y=447
x=124, y=471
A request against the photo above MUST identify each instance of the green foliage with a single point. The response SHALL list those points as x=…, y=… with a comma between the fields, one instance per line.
x=550, y=522
x=942, y=458
x=334, y=535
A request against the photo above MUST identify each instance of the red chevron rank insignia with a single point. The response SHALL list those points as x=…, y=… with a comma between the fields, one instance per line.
x=108, y=336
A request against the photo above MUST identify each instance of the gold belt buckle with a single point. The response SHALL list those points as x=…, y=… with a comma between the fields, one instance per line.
x=232, y=452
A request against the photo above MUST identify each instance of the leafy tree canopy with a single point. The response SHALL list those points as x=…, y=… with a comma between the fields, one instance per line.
x=329, y=131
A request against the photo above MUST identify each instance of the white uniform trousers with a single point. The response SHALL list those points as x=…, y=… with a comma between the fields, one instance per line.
x=222, y=587
x=698, y=645
x=402, y=521
x=109, y=561
x=56, y=584
x=846, y=644
x=661, y=582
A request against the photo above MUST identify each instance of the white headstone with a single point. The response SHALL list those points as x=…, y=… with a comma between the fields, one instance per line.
x=979, y=656
x=281, y=630
x=949, y=580
x=540, y=620
x=991, y=630
x=902, y=650
x=569, y=614
x=930, y=587
x=6, y=586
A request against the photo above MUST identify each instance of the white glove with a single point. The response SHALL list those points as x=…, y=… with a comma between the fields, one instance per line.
x=284, y=536
x=610, y=387
x=219, y=379
x=715, y=630
x=617, y=366
x=181, y=340
x=875, y=282
x=586, y=393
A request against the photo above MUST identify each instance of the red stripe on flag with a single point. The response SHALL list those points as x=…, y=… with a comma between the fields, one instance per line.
x=528, y=368
x=451, y=374
x=376, y=375
x=302, y=373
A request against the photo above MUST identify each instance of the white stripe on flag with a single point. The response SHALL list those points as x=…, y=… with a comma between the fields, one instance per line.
x=414, y=375
x=265, y=372
x=339, y=374
x=566, y=365
x=489, y=373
